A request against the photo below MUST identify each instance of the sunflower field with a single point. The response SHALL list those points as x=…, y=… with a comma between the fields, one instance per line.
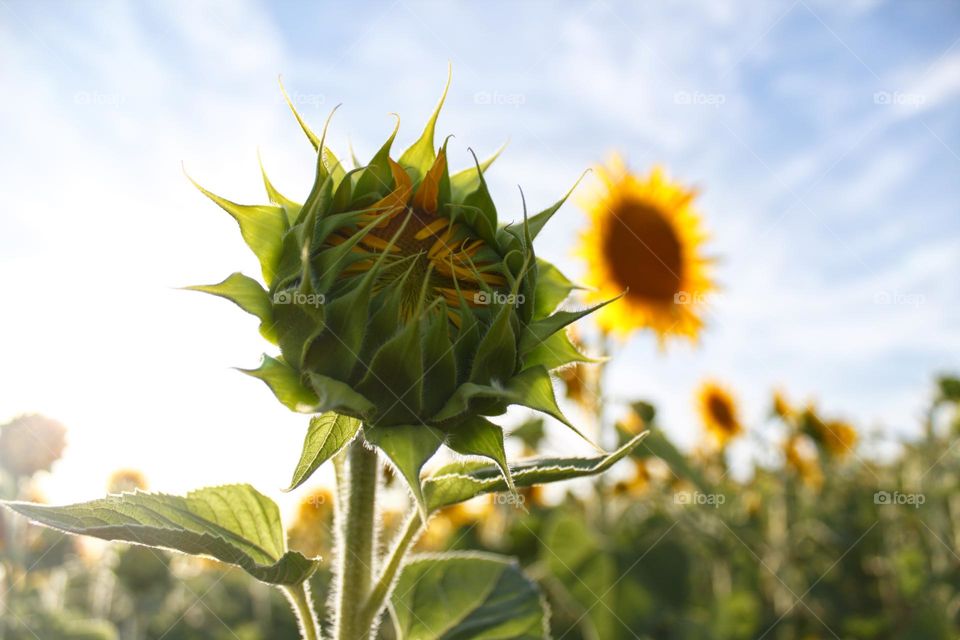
x=505, y=424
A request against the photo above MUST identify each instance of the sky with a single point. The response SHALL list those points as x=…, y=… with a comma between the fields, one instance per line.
x=824, y=138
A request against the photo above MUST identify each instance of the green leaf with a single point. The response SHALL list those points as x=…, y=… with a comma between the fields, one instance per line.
x=478, y=436
x=327, y=435
x=496, y=356
x=408, y=447
x=246, y=293
x=575, y=557
x=285, y=383
x=232, y=523
x=420, y=156
x=480, y=596
x=262, y=228
x=461, y=481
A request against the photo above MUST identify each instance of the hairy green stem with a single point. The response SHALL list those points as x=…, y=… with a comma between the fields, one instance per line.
x=356, y=542
x=302, y=604
x=381, y=590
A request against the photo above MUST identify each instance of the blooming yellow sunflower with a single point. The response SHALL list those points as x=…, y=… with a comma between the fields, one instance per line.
x=719, y=412
x=645, y=238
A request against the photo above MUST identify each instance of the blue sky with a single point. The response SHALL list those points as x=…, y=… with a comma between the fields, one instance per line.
x=825, y=138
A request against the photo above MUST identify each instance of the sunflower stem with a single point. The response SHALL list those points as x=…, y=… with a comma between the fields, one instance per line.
x=356, y=542
x=385, y=583
x=302, y=604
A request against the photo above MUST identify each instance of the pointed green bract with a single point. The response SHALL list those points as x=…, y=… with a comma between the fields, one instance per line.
x=479, y=437
x=233, y=523
x=408, y=447
x=262, y=228
x=539, y=221
x=243, y=291
x=285, y=383
x=421, y=154
x=466, y=182
x=327, y=435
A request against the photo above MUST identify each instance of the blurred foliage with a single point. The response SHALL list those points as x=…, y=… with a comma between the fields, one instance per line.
x=674, y=546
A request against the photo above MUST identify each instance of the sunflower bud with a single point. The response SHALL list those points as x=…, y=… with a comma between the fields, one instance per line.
x=397, y=297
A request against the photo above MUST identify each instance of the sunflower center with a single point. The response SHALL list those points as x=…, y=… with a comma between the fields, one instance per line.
x=722, y=413
x=644, y=252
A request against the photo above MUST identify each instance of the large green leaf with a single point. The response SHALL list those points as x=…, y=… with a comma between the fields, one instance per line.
x=477, y=596
x=328, y=434
x=576, y=559
x=461, y=481
x=232, y=523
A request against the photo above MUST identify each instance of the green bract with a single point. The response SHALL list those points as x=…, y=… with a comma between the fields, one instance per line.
x=397, y=298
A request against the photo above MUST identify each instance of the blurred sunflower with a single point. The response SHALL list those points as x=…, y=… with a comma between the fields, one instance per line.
x=839, y=438
x=645, y=239
x=719, y=412
x=801, y=458
x=311, y=532
x=579, y=380
x=126, y=481
x=781, y=405
x=836, y=437
x=31, y=443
